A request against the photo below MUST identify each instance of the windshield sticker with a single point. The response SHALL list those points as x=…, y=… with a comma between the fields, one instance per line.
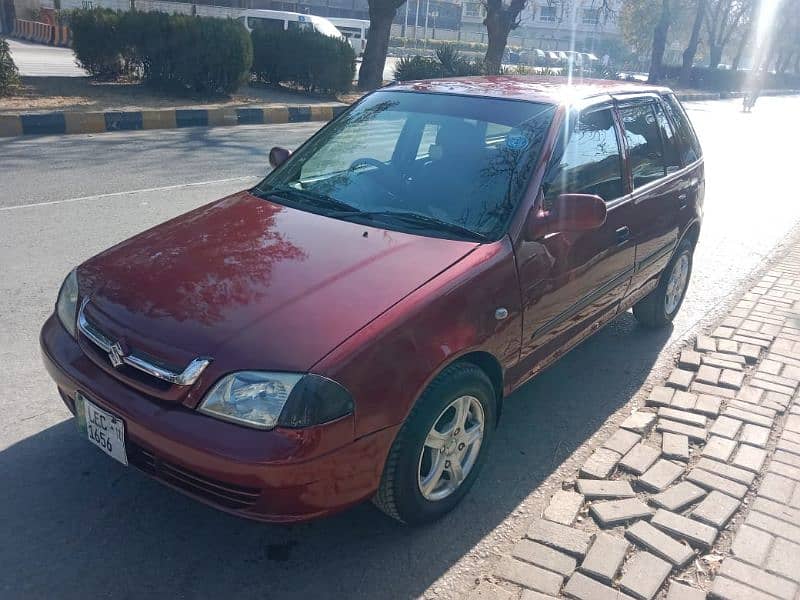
x=516, y=142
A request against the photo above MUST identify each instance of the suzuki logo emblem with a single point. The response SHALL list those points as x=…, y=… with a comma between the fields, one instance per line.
x=115, y=354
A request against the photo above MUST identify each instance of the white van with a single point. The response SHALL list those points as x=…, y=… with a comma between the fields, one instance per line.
x=282, y=20
x=355, y=30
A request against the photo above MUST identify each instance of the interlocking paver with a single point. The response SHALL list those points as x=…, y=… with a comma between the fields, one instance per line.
x=719, y=448
x=582, y=587
x=727, y=357
x=644, y=574
x=726, y=427
x=785, y=457
x=615, y=512
x=659, y=543
x=783, y=559
x=713, y=390
x=689, y=360
x=727, y=471
x=751, y=544
x=640, y=458
x=682, y=416
x=728, y=589
x=622, y=441
x=774, y=387
x=680, y=379
x=605, y=557
x=678, y=497
x=658, y=477
x=754, y=435
x=731, y=378
x=693, y=433
x=596, y=488
x=529, y=576
x=681, y=591
x=777, y=510
x=721, y=363
x=716, y=509
x=750, y=395
x=683, y=400
x=563, y=507
x=708, y=374
x=776, y=487
x=710, y=481
x=747, y=416
x=707, y=405
x=728, y=346
x=542, y=556
x=675, y=446
x=705, y=343
x=723, y=332
x=758, y=578
x=639, y=422
x=773, y=525
x=750, y=458
x=600, y=464
x=697, y=534
x=569, y=540
x=660, y=396
x=785, y=470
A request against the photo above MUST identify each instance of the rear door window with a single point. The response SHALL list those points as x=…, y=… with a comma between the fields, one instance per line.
x=645, y=149
x=689, y=145
x=591, y=161
x=671, y=147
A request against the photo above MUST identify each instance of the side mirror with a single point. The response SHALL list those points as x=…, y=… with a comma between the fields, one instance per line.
x=278, y=156
x=570, y=212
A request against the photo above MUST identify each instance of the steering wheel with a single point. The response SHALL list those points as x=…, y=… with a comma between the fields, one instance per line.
x=388, y=177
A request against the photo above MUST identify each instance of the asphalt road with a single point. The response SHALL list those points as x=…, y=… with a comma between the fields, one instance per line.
x=75, y=524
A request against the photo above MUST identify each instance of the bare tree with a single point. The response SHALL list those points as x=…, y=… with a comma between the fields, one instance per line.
x=381, y=15
x=722, y=20
x=694, y=40
x=660, y=42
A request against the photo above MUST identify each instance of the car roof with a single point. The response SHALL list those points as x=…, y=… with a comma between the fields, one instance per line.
x=551, y=90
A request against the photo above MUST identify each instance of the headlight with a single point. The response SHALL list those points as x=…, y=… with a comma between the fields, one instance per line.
x=265, y=400
x=67, y=304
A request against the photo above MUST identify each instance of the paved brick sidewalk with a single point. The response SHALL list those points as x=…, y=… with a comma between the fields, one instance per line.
x=698, y=493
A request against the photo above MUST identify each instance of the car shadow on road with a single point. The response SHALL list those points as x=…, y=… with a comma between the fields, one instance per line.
x=77, y=524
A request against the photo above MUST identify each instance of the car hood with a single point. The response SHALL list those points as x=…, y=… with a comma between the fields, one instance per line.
x=253, y=284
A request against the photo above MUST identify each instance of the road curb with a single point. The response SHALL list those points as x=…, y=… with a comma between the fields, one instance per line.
x=69, y=122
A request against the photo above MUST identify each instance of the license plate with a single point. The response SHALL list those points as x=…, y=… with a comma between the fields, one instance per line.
x=104, y=430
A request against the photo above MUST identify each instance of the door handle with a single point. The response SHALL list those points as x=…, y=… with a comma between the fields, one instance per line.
x=623, y=234
x=683, y=201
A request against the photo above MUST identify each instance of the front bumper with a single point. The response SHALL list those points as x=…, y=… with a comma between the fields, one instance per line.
x=282, y=475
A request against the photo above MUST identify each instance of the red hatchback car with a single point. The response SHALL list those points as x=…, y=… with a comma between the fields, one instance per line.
x=348, y=328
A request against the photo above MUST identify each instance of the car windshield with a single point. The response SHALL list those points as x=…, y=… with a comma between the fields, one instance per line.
x=442, y=165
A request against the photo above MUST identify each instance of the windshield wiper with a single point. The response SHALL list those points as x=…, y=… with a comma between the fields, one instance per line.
x=322, y=200
x=426, y=221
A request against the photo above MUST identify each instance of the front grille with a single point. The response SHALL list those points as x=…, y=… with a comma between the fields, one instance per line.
x=219, y=493
x=101, y=357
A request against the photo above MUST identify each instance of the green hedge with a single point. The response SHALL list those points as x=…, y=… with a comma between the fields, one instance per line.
x=448, y=63
x=307, y=59
x=724, y=80
x=9, y=75
x=398, y=42
x=176, y=52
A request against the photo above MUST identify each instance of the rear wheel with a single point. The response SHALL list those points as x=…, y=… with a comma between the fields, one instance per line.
x=660, y=306
x=440, y=449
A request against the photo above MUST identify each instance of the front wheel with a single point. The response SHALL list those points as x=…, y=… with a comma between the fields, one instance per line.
x=660, y=306
x=441, y=447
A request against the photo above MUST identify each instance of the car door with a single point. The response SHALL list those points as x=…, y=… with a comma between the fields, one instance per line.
x=654, y=172
x=572, y=282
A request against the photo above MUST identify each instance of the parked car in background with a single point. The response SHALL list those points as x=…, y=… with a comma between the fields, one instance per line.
x=350, y=327
x=355, y=30
x=283, y=20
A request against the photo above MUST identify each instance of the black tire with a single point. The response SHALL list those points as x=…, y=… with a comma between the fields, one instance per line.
x=399, y=494
x=651, y=311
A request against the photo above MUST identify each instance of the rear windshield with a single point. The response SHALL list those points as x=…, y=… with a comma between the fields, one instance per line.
x=405, y=159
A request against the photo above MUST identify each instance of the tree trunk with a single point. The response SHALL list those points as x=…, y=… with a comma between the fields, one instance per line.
x=691, y=48
x=659, y=43
x=380, y=26
x=714, y=56
x=497, y=29
x=740, y=50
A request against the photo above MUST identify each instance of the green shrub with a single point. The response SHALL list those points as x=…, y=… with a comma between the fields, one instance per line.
x=96, y=41
x=307, y=59
x=448, y=63
x=9, y=75
x=202, y=55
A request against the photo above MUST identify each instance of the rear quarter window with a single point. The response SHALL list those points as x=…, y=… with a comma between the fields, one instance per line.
x=687, y=139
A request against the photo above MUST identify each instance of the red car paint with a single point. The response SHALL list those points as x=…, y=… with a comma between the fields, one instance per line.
x=260, y=286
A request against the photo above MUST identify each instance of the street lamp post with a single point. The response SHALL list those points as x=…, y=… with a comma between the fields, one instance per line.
x=434, y=14
x=427, y=12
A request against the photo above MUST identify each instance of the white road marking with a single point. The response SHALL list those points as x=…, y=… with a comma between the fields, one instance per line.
x=125, y=193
